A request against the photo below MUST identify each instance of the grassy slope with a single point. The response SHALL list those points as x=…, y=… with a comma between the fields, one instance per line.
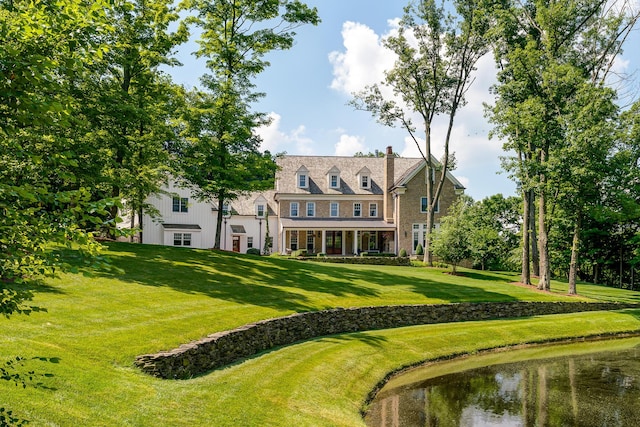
x=165, y=297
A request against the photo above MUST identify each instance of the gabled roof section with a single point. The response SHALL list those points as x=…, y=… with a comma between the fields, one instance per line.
x=333, y=170
x=410, y=173
x=364, y=171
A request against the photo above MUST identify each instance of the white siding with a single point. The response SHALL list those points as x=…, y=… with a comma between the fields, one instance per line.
x=199, y=213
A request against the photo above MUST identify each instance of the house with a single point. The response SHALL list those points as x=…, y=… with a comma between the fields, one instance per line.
x=322, y=204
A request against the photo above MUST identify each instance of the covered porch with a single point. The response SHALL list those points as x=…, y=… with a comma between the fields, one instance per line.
x=341, y=237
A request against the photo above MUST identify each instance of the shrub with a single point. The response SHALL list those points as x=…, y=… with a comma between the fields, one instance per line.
x=419, y=249
x=321, y=255
x=253, y=251
x=403, y=253
x=364, y=253
x=299, y=253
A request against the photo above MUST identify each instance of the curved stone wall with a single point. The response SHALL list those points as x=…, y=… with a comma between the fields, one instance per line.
x=226, y=347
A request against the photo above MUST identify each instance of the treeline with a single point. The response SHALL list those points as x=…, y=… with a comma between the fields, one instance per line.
x=91, y=125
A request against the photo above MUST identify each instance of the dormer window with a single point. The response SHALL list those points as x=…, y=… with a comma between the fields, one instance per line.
x=364, y=178
x=333, y=178
x=261, y=206
x=302, y=177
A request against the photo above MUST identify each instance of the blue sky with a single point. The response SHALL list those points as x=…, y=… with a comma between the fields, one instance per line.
x=308, y=87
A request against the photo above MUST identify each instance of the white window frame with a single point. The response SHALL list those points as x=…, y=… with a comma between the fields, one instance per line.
x=364, y=184
x=260, y=210
x=182, y=204
x=293, y=240
x=373, y=210
x=249, y=242
x=182, y=239
x=337, y=209
x=294, y=207
x=333, y=184
x=311, y=209
x=303, y=180
x=357, y=210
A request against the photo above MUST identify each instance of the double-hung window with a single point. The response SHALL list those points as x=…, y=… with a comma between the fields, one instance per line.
x=180, y=204
x=357, y=209
x=293, y=209
x=260, y=211
x=334, y=209
x=311, y=209
x=373, y=209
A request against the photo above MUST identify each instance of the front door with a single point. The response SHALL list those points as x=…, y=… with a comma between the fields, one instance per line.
x=334, y=242
x=236, y=243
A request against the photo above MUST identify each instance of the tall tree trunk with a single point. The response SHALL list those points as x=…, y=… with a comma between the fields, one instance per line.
x=221, y=201
x=525, y=277
x=543, y=240
x=140, y=223
x=573, y=266
x=535, y=255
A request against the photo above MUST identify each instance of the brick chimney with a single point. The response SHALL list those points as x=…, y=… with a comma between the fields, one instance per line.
x=388, y=183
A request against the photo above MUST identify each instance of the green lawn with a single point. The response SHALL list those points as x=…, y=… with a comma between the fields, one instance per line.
x=163, y=297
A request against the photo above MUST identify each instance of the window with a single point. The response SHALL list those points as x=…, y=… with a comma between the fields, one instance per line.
x=181, y=239
x=260, y=211
x=373, y=240
x=311, y=209
x=293, y=240
x=373, y=209
x=333, y=208
x=302, y=177
x=364, y=181
x=334, y=181
x=226, y=210
x=423, y=205
x=180, y=204
x=357, y=209
x=293, y=209
x=419, y=233
x=311, y=241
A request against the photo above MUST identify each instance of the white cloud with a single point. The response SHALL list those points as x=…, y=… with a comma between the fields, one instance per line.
x=275, y=140
x=364, y=60
x=349, y=145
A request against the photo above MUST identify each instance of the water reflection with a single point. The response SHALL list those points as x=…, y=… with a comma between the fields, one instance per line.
x=597, y=389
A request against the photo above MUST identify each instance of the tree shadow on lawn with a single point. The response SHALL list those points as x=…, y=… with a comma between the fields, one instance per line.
x=273, y=282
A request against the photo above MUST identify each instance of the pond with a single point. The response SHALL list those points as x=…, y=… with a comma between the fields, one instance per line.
x=584, y=384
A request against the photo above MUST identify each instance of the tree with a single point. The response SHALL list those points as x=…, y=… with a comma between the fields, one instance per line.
x=219, y=153
x=547, y=53
x=129, y=102
x=436, y=55
x=494, y=224
x=452, y=241
x=44, y=43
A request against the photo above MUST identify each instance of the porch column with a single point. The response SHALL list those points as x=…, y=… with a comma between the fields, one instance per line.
x=343, y=242
x=355, y=242
x=324, y=241
x=284, y=242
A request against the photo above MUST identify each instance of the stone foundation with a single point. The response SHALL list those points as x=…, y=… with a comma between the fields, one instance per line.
x=226, y=347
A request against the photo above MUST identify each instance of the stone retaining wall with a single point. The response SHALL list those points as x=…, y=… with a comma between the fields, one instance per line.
x=226, y=347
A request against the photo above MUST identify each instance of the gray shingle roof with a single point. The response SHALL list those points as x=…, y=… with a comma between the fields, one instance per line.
x=319, y=166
